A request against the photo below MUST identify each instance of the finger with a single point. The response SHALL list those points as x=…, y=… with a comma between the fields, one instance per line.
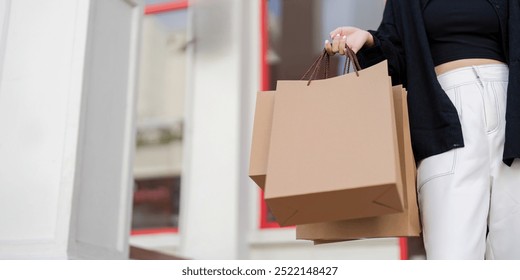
x=328, y=47
x=342, y=43
x=335, y=43
x=335, y=32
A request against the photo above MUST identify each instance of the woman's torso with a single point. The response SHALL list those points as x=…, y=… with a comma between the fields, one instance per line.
x=463, y=33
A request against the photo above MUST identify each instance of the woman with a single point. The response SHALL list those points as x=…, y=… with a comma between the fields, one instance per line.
x=460, y=61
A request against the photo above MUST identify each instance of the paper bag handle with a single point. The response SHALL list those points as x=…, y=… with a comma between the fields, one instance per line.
x=317, y=65
x=351, y=56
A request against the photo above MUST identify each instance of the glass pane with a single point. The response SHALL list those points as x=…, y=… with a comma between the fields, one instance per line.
x=160, y=115
x=156, y=203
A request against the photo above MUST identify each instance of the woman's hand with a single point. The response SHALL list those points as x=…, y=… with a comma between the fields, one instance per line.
x=354, y=37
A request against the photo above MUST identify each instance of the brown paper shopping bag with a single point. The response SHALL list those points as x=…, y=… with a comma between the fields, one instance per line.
x=262, y=124
x=261, y=137
x=333, y=153
x=393, y=225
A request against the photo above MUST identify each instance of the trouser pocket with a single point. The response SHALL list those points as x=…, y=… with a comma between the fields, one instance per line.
x=436, y=166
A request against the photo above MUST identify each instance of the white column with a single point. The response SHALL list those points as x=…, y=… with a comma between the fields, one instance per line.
x=67, y=120
x=223, y=67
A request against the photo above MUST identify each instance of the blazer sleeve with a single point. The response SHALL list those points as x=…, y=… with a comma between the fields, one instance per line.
x=387, y=45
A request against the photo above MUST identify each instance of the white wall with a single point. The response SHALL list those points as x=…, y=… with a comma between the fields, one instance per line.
x=67, y=120
x=213, y=202
x=104, y=192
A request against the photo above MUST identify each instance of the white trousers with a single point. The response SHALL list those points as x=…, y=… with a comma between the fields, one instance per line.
x=469, y=199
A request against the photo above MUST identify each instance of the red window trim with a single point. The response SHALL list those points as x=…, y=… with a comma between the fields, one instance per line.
x=166, y=7
x=264, y=85
x=264, y=41
x=146, y=231
x=403, y=248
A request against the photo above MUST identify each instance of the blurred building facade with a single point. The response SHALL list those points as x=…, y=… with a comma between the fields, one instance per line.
x=129, y=122
x=221, y=213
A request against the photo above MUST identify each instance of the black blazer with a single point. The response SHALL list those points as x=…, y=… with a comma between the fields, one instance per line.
x=434, y=124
